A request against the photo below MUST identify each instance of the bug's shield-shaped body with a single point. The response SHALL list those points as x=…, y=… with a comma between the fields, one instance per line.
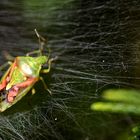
x=19, y=79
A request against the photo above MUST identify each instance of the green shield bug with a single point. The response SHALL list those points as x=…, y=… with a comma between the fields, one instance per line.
x=23, y=73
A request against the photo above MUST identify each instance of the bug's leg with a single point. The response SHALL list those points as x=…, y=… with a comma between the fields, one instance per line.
x=33, y=91
x=5, y=65
x=49, y=65
x=34, y=52
x=46, y=71
x=8, y=56
x=45, y=86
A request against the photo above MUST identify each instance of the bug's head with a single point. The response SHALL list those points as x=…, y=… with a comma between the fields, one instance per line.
x=40, y=60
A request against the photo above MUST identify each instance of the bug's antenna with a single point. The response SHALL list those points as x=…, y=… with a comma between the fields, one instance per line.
x=39, y=36
x=42, y=42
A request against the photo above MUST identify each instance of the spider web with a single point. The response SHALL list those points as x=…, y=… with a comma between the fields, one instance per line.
x=97, y=44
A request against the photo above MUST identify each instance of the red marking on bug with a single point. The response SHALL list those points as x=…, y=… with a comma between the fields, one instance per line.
x=7, y=79
x=12, y=94
x=3, y=84
x=14, y=90
x=26, y=83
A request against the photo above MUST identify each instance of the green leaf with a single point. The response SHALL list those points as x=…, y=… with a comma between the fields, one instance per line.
x=119, y=101
x=130, y=96
x=116, y=107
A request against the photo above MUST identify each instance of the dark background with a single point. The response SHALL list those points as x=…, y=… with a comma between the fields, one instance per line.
x=97, y=44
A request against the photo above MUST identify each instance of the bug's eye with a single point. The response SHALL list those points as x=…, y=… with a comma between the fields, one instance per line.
x=26, y=69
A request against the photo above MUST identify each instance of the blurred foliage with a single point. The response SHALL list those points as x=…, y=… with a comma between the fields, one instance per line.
x=121, y=101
